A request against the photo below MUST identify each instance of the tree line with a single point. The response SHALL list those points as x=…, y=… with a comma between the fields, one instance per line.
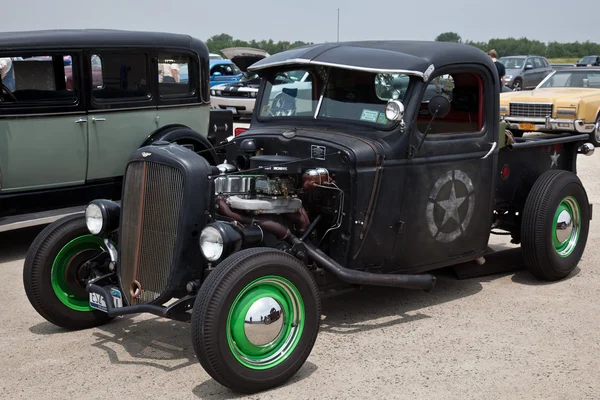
x=504, y=47
x=217, y=43
x=523, y=46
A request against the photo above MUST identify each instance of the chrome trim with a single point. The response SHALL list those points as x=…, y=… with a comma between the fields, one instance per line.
x=303, y=61
x=428, y=72
x=111, y=250
x=545, y=79
x=264, y=321
x=42, y=218
x=575, y=125
x=81, y=121
x=183, y=105
x=491, y=151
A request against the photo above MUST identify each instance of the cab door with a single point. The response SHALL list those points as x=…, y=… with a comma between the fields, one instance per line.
x=43, y=135
x=447, y=197
x=122, y=110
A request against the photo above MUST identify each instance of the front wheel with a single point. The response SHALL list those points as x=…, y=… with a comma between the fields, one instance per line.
x=55, y=274
x=256, y=319
x=555, y=225
x=595, y=135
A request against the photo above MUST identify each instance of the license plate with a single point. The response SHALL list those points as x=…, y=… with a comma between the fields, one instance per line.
x=97, y=300
x=233, y=109
x=527, y=127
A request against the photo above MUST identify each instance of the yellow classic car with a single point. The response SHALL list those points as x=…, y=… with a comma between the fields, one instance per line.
x=567, y=100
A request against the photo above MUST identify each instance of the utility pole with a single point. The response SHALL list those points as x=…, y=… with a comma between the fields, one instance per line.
x=338, y=26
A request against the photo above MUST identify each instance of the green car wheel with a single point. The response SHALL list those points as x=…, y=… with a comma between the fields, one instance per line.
x=555, y=225
x=256, y=319
x=54, y=277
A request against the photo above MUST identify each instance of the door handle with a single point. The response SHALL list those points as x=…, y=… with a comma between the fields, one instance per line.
x=98, y=119
x=81, y=121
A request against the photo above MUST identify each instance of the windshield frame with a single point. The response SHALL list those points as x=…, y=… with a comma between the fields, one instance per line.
x=270, y=73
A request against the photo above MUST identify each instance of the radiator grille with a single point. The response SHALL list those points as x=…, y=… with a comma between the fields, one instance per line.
x=151, y=204
x=530, y=110
x=235, y=94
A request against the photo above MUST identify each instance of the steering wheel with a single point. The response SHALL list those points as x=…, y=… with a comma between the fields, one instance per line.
x=283, y=105
x=6, y=91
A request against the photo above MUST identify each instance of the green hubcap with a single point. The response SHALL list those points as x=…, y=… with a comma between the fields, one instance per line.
x=265, y=322
x=66, y=284
x=566, y=226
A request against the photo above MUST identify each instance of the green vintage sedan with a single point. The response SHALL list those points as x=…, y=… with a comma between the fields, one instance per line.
x=75, y=104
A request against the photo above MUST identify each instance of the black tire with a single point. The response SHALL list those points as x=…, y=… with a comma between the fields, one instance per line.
x=595, y=135
x=540, y=253
x=517, y=85
x=211, y=314
x=37, y=275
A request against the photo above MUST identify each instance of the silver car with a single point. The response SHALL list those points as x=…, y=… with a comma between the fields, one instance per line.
x=525, y=72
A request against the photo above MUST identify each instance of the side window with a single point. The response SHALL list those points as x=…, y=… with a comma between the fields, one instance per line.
x=119, y=76
x=286, y=96
x=225, y=69
x=529, y=61
x=537, y=62
x=39, y=79
x=464, y=90
x=174, y=78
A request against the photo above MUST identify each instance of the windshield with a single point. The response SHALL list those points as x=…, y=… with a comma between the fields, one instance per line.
x=588, y=60
x=512, y=62
x=573, y=79
x=349, y=95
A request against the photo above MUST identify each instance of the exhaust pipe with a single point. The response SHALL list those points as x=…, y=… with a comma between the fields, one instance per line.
x=424, y=282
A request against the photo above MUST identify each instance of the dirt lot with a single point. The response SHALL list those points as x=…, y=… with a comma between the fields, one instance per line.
x=504, y=336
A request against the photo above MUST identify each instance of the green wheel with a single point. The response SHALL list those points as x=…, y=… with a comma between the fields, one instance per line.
x=255, y=319
x=54, y=277
x=555, y=225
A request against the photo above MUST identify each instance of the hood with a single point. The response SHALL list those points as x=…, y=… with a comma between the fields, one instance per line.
x=244, y=57
x=560, y=97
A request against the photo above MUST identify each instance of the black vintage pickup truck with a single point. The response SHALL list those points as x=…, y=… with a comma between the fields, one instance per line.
x=390, y=161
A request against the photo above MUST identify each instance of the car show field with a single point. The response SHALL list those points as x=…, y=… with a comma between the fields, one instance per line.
x=392, y=221
x=504, y=336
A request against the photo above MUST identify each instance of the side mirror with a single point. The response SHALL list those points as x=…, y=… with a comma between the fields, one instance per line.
x=439, y=106
x=528, y=66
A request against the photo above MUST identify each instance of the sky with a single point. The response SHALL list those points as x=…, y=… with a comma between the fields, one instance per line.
x=316, y=20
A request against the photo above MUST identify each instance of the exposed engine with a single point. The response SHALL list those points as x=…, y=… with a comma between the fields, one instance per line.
x=277, y=189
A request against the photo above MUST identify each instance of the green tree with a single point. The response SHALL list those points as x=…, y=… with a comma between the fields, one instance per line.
x=449, y=37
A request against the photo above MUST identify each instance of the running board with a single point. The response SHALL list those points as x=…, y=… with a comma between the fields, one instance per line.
x=35, y=219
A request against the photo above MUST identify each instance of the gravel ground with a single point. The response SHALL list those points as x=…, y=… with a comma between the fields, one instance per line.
x=504, y=336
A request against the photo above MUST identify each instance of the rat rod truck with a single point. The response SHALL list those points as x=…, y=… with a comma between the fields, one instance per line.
x=391, y=163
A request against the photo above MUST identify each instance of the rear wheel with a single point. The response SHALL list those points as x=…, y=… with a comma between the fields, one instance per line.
x=54, y=274
x=256, y=319
x=555, y=225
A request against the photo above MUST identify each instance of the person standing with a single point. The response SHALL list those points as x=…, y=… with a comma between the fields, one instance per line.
x=7, y=73
x=499, y=66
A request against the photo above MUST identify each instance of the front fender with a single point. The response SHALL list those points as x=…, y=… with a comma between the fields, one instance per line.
x=177, y=133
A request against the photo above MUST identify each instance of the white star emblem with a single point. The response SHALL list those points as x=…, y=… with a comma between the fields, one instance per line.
x=554, y=158
x=451, y=206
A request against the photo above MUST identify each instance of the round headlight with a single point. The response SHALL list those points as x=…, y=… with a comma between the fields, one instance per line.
x=94, y=219
x=394, y=110
x=213, y=93
x=211, y=243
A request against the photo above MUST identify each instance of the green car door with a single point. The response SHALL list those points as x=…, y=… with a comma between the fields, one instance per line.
x=122, y=109
x=43, y=124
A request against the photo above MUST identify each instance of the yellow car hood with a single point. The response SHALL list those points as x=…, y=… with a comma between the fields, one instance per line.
x=549, y=95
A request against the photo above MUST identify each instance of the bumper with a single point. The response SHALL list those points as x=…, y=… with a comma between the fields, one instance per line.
x=548, y=125
x=242, y=106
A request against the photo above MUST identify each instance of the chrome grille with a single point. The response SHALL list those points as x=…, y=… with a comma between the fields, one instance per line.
x=530, y=110
x=151, y=204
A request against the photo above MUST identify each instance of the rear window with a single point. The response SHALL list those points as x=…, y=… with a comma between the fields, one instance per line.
x=174, y=78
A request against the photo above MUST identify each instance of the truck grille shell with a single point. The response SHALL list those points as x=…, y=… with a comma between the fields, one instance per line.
x=151, y=206
x=531, y=110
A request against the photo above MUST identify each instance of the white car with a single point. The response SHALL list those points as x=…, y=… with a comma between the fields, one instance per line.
x=240, y=97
